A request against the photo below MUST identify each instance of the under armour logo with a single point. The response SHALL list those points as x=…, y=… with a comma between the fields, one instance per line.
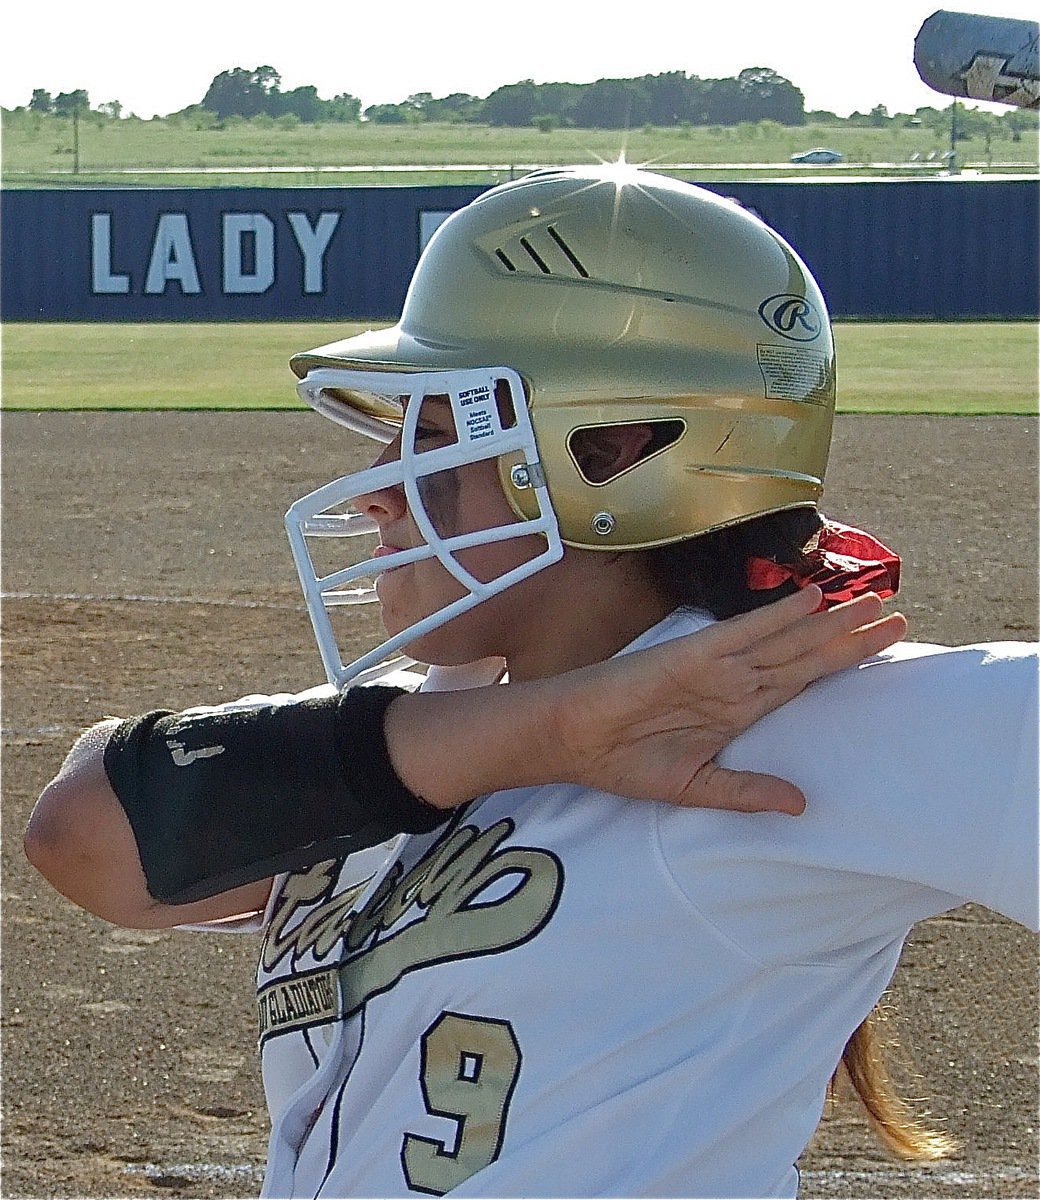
x=184, y=758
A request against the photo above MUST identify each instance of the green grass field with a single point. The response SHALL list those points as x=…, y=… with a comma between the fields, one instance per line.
x=886, y=367
x=38, y=150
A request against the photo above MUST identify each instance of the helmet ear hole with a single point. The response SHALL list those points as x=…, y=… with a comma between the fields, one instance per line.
x=603, y=452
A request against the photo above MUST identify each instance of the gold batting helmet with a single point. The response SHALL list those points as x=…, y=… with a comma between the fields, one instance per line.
x=623, y=296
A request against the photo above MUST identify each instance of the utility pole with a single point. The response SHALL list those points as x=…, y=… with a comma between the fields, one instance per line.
x=954, y=169
x=75, y=140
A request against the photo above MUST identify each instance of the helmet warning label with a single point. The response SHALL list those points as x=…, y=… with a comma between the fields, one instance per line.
x=794, y=373
x=475, y=414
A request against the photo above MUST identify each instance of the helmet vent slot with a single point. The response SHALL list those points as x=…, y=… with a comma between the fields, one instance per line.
x=571, y=256
x=535, y=257
x=541, y=251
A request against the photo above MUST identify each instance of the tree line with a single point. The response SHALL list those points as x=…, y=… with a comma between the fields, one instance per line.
x=673, y=98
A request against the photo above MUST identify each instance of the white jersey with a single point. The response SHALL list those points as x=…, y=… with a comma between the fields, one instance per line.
x=571, y=994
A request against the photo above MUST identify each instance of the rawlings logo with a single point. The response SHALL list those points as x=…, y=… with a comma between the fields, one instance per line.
x=792, y=317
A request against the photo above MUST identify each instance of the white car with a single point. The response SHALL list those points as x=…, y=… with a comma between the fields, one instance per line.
x=818, y=155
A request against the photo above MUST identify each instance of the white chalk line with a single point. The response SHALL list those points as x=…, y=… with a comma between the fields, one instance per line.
x=950, y=1175
x=39, y=731
x=131, y=598
x=197, y=1172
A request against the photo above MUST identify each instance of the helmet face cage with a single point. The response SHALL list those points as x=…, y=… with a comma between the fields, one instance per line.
x=490, y=417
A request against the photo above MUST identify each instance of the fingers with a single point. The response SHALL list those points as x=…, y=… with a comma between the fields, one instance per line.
x=836, y=639
x=808, y=633
x=869, y=640
x=782, y=683
x=781, y=665
x=732, y=673
x=738, y=633
x=791, y=629
x=742, y=791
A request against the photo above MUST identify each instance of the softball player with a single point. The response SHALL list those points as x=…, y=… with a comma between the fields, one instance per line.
x=606, y=411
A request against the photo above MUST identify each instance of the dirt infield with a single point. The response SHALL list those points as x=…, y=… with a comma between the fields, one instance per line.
x=144, y=565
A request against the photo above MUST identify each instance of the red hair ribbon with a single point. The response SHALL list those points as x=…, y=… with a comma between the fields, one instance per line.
x=843, y=561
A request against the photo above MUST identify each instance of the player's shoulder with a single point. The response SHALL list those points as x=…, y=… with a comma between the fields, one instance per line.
x=913, y=694
x=915, y=662
x=926, y=683
x=990, y=659
x=982, y=652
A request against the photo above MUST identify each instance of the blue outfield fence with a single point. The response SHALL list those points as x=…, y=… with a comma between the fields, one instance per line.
x=943, y=249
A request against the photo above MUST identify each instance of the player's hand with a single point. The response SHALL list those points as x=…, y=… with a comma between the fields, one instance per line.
x=648, y=724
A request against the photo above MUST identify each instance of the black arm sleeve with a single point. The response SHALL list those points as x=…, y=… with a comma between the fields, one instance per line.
x=223, y=798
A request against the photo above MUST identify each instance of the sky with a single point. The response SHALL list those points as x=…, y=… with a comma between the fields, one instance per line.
x=157, y=59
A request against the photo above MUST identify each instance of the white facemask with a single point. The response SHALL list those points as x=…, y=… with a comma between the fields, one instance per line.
x=490, y=419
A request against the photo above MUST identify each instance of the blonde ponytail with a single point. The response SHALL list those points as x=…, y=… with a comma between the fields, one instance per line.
x=891, y=1116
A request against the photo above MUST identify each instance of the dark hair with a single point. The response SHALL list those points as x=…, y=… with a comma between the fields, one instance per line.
x=710, y=571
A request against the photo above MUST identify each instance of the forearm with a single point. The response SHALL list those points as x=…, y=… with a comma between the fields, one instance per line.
x=170, y=833
x=451, y=747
